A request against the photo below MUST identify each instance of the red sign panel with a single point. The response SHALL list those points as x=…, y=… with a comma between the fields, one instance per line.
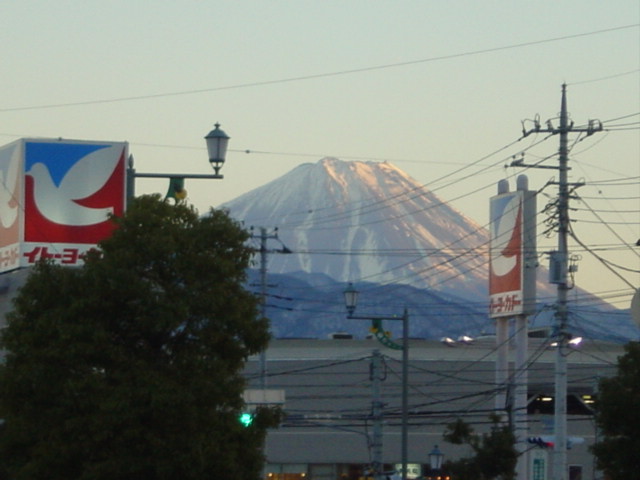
x=10, y=194
x=506, y=255
x=56, y=198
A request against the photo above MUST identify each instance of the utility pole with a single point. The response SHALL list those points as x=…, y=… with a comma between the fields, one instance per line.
x=560, y=406
x=351, y=300
x=559, y=274
x=376, y=413
x=264, y=236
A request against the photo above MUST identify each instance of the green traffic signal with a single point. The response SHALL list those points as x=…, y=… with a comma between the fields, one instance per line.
x=246, y=419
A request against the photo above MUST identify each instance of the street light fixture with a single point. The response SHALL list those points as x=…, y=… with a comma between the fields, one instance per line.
x=435, y=458
x=217, y=142
x=350, y=299
x=351, y=302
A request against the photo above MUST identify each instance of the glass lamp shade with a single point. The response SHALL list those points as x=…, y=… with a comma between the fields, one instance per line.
x=435, y=458
x=217, y=142
x=351, y=298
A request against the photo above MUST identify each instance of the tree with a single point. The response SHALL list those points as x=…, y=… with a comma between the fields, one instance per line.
x=495, y=452
x=617, y=417
x=130, y=366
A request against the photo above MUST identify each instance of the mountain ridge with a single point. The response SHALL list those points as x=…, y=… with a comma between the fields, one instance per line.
x=376, y=217
x=372, y=224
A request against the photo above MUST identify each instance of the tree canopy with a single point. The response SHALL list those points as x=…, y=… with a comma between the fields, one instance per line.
x=618, y=418
x=495, y=455
x=131, y=365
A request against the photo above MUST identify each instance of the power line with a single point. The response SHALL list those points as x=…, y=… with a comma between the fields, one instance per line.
x=608, y=77
x=320, y=75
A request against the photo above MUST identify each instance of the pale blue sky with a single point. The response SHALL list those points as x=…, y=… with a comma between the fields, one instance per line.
x=450, y=92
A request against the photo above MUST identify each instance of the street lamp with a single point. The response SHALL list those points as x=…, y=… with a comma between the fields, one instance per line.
x=435, y=459
x=351, y=302
x=217, y=142
x=350, y=299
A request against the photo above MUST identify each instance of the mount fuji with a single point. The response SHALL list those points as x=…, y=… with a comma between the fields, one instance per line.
x=369, y=221
x=401, y=245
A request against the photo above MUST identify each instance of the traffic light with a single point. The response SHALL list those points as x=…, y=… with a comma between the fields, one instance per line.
x=176, y=189
x=246, y=419
x=544, y=441
x=549, y=441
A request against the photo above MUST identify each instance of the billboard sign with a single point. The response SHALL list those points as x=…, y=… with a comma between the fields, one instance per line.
x=512, y=254
x=63, y=193
x=10, y=195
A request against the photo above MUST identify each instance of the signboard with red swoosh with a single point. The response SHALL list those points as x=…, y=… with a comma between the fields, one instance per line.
x=61, y=193
x=512, y=259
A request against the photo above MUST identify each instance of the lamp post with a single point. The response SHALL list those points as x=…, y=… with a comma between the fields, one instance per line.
x=351, y=301
x=217, y=142
x=435, y=460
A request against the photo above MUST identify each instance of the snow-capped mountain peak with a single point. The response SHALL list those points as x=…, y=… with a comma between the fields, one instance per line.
x=372, y=224
x=356, y=221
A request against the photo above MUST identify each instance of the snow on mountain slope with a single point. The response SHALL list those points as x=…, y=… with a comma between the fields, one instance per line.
x=371, y=224
x=357, y=221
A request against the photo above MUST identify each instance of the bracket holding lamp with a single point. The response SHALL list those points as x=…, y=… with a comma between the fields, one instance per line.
x=217, y=143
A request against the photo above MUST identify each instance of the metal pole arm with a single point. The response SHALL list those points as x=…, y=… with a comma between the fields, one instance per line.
x=207, y=176
x=373, y=317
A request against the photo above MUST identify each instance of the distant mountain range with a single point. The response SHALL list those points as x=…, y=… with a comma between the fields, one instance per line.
x=401, y=245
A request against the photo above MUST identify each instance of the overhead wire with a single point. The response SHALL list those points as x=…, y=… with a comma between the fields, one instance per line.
x=603, y=262
x=394, y=282
x=412, y=193
x=405, y=195
x=464, y=177
x=357, y=414
x=470, y=232
x=574, y=144
x=386, y=202
x=319, y=75
x=606, y=224
x=481, y=159
x=607, y=77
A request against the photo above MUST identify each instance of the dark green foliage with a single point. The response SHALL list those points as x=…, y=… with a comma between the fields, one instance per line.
x=618, y=418
x=130, y=366
x=495, y=453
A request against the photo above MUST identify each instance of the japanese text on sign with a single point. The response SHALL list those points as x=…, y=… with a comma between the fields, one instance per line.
x=66, y=256
x=508, y=303
x=9, y=256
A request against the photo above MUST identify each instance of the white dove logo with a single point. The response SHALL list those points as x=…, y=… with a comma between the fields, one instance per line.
x=8, y=190
x=503, y=256
x=61, y=203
